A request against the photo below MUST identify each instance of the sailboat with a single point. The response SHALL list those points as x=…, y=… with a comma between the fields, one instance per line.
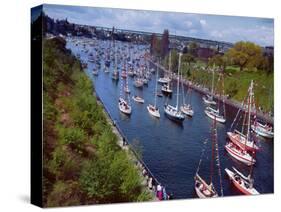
x=215, y=113
x=153, y=109
x=202, y=188
x=264, y=130
x=166, y=87
x=124, y=105
x=138, y=99
x=244, y=141
x=186, y=108
x=172, y=112
x=115, y=74
x=242, y=183
x=209, y=99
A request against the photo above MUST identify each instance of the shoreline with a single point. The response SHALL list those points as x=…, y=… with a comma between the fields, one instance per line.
x=144, y=172
x=230, y=102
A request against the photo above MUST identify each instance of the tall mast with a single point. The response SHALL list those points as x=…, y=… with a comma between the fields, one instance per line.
x=156, y=85
x=182, y=87
x=249, y=110
x=115, y=57
x=178, y=80
x=170, y=61
x=213, y=78
x=213, y=155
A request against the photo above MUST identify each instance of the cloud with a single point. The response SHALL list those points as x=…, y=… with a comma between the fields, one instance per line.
x=224, y=28
x=203, y=22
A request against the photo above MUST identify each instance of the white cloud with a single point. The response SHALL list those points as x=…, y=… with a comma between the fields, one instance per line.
x=203, y=22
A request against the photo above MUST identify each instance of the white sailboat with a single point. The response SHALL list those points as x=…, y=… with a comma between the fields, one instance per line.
x=166, y=87
x=186, y=108
x=123, y=103
x=209, y=99
x=115, y=74
x=215, y=113
x=263, y=130
x=242, y=183
x=153, y=109
x=172, y=112
x=202, y=188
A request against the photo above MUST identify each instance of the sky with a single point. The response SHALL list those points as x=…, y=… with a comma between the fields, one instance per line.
x=213, y=27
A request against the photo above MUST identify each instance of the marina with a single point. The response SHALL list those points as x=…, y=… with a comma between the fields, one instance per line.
x=170, y=150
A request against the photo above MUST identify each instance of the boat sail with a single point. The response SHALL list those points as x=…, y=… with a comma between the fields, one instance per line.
x=209, y=99
x=202, y=188
x=172, y=112
x=215, y=113
x=153, y=109
x=244, y=141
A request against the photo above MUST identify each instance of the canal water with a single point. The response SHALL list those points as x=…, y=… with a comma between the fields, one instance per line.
x=172, y=151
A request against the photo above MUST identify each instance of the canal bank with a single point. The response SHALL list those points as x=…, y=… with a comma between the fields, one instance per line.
x=149, y=181
x=201, y=89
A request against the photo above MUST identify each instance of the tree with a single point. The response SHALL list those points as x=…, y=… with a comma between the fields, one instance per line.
x=218, y=60
x=174, y=60
x=155, y=45
x=165, y=43
x=193, y=48
x=245, y=55
x=188, y=58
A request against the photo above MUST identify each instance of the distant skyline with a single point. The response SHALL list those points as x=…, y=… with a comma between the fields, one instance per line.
x=213, y=27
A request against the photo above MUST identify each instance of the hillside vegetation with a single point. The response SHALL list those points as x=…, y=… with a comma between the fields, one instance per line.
x=82, y=162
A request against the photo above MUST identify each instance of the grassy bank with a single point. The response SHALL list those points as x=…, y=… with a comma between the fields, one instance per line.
x=82, y=162
x=236, y=83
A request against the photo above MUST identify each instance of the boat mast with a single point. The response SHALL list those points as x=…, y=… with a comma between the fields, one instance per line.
x=179, y=65
x=170, y=62
x=251, y=181
x=213, y=78
x=249, y=110
x=212, y=160
x=156, y=85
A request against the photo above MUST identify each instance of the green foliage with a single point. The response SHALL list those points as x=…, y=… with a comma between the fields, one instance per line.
x=245, y=54
x=232, y=88
x=64, y=194
x=73, y=122
x=74, y=136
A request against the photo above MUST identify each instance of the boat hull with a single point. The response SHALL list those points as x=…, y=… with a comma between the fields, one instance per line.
x=208, y=101
x=212, y=116
x=261, y=132
x=186, y=111
x=172, y=117
x=237, y=139
x=152, y=112
x=239, y=184
x=239, y=156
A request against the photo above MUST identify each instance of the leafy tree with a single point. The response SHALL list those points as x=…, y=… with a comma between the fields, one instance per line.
x=218, y=60
x=165, y=43
x=245, y=54
x=188, y=58
x=193, y=46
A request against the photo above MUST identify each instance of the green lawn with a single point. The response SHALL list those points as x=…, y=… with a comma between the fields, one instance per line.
x=236, y=82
